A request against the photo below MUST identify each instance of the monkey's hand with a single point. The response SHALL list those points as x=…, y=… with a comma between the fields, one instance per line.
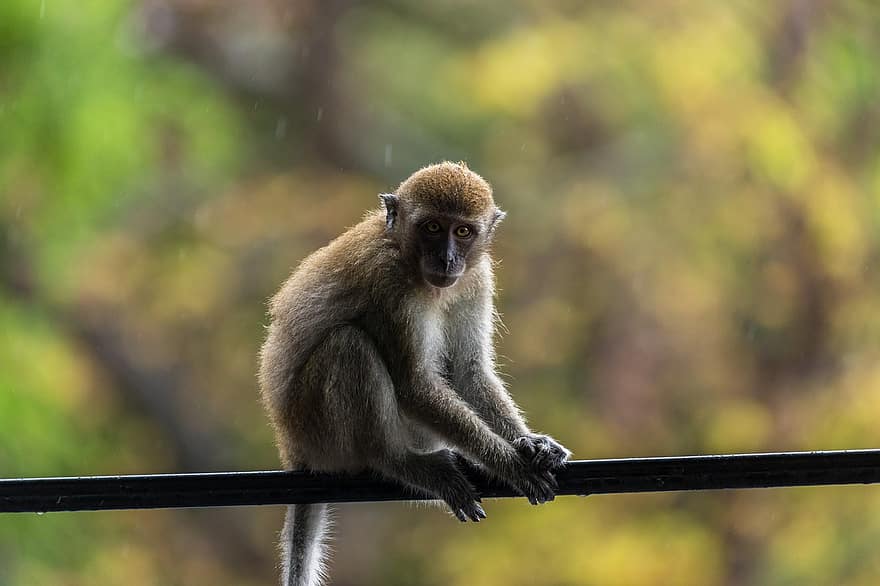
x=542, y=451
x=539, y=486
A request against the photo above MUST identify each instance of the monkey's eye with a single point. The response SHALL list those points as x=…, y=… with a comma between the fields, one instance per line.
x=462, y=231
x=432, y=227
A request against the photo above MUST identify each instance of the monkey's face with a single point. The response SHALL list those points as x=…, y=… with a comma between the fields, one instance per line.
x=444, y=244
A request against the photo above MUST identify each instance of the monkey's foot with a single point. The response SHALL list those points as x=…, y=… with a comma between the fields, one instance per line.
x=463, y=501
x=541, y=451
x=459, y=494
x=472, y=511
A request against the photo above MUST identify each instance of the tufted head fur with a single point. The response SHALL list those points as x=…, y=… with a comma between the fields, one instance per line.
x=448, y=188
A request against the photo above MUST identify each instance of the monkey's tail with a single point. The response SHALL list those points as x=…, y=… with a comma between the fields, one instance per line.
x=304, y=545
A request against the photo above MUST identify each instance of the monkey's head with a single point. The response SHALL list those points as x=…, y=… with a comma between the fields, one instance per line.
x=443, y=218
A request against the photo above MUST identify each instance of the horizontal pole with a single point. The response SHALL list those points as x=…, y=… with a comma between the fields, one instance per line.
x=584, y=477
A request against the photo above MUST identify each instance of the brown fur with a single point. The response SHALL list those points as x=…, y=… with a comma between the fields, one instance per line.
x=448, y=187
x=366, y=365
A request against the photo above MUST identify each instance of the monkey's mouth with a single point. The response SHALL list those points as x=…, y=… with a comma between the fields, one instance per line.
x=440, y=280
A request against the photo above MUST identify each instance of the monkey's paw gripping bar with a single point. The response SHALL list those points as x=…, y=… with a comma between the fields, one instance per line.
x=583, y=477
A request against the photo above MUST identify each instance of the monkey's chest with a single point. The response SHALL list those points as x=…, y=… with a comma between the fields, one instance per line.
x=433, y=339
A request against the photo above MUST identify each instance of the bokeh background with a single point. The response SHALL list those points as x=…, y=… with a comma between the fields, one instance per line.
x=689, y=265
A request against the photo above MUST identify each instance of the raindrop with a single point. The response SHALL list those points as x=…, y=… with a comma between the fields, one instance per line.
x=281, y=128
x=42, y=9
x=387, y=155
x=320, y=114
x=41, y=513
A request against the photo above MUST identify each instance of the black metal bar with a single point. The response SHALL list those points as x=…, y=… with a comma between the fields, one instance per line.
x=578, y=478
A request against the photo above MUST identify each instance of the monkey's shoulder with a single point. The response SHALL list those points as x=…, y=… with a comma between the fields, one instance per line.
x=353, y=269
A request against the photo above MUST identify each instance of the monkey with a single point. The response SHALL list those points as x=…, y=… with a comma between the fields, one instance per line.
x=379, y=355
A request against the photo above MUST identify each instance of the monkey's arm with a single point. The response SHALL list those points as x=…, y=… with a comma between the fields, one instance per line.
x=475, y=379
x=477, y=383
x=428, y=399
x=472, y=364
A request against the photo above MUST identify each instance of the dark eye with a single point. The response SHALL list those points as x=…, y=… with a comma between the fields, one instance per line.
x=432, y=227
x=462, y=231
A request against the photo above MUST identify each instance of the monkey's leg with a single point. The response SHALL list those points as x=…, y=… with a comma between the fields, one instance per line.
x=333, y=416
x=348, y=398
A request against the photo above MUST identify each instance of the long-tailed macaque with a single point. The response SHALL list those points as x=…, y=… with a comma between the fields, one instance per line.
x=380, y=356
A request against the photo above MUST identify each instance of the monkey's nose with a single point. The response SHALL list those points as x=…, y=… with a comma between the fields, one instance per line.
x=449, y=256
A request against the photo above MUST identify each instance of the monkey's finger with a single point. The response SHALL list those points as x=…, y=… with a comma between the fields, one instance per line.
x=530, y=486
x=564, y=453
x=544, y=498
x=476, y=513
x=546, y=491
x=526, y=449
x=543, y=459
x=459, y=514
x=558, y=456
x=561, y=462
x=548, y=477
x=550, y=456
x=549, y=493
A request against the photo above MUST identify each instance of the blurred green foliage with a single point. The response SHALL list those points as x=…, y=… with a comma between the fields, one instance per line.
x=689, y=265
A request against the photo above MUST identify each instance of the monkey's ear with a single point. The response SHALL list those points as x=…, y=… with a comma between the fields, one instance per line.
x=497, y=217
x=389, y=200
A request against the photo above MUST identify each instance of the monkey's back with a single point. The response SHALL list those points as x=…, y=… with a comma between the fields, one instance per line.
x=335, y=285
